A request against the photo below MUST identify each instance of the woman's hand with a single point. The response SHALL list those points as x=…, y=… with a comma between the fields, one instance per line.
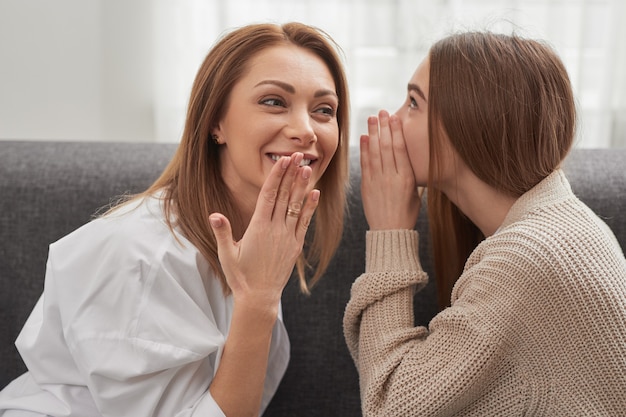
x=258, y=267
x=391, y=199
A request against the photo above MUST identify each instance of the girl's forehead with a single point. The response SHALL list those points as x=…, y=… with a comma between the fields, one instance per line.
x=421, y=75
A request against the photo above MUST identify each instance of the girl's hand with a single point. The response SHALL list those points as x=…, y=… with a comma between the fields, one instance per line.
x=391, y=199
x=258, y=266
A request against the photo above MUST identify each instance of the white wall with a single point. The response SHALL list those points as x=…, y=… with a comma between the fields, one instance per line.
x=76, y=70
x=121, y=70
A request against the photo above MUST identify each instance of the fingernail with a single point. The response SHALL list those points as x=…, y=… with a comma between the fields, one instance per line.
x=297, y=158
x=315, y=195
x=285, y=162
x=215, y=221
x=306, y=173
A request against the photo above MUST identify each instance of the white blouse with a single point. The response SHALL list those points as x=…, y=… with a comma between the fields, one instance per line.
x=132, y=322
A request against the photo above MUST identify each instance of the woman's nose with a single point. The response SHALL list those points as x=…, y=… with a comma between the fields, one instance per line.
x=300, y=128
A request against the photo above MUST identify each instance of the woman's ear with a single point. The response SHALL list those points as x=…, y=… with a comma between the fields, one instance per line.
x=216, y=136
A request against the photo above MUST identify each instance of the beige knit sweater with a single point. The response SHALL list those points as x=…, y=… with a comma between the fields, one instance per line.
x=537, y=325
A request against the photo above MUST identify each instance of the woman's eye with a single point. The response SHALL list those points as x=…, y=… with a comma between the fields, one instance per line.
x=329, y=111
x=412, y=103
x=273, y=102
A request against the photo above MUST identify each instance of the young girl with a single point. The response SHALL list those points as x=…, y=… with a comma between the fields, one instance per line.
x=532, y=283
x=169, y=304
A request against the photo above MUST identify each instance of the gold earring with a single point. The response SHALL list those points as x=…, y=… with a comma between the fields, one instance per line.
x=216, y=139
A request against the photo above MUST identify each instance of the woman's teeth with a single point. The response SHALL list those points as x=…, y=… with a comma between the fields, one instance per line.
x=303, y=163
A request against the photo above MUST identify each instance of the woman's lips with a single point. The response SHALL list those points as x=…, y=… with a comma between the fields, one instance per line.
x=306, y=161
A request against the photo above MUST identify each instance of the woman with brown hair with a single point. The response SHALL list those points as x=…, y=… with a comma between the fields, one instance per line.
x=169, y=304
x=532, y=284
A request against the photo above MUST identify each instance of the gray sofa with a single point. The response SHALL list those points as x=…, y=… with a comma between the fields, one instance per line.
x=48, y=189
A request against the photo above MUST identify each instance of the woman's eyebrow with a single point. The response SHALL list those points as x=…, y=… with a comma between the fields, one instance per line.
x=285, y=86
x=321, y=93
x=418, y=91
x=291, y=89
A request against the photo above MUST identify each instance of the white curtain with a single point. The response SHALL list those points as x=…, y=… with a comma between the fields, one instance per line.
x=384, y=40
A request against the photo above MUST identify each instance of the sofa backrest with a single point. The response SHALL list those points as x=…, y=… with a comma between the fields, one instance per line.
x=48, y=189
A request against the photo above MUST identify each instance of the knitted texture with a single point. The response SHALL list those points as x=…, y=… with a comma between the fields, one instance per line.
x=537, y=324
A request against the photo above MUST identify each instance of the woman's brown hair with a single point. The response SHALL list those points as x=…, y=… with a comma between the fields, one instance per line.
x=506, y=106
x=192, y=186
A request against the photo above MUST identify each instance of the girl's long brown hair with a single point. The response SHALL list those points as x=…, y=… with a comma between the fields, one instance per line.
x=506, y=105
x=192, y=184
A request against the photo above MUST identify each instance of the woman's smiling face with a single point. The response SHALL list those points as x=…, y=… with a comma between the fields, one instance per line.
x=285, y=102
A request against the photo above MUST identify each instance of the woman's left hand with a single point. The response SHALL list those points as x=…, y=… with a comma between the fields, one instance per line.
x=257, y=269
x=259, y=265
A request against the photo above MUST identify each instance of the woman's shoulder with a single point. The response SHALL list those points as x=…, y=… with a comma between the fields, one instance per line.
x=134, y=233
x=130, y=260
x=137, y=216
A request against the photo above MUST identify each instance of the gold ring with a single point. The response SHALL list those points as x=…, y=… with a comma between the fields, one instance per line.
x=293, y=213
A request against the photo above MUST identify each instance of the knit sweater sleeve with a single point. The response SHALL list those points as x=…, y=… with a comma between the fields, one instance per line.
x=392, y=268
x=403, y=369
